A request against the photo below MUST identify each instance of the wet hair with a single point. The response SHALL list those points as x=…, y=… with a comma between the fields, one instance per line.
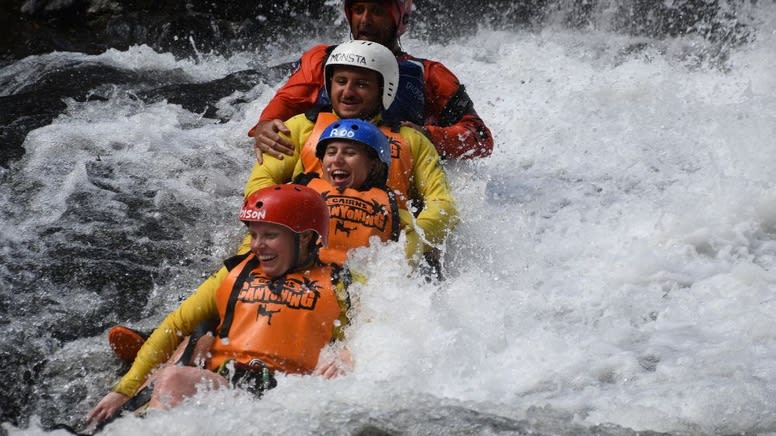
x=378, y=174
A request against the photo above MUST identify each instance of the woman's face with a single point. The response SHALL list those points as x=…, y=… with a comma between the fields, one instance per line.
x=346, y=164
x=273, y=245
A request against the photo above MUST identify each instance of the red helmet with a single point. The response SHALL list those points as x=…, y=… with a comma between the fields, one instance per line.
x=400, y=9
x=294, y=206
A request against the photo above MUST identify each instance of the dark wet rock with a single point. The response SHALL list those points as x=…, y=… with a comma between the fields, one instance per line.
x=181, y=28
x=36, y=104
x=91, y=26
x=69, y=378
x=439, y=20
x=108, y=260
x=201, y=97
x=21, y=372
x=710, y=19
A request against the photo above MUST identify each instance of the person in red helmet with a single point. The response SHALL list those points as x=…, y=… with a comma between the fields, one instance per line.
x=415, y=177
x=429, y=98
x=278, y=306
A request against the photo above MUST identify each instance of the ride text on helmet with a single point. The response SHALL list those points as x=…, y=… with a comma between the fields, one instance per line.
x=350, y=58
x=252, y=215
x=342, y=133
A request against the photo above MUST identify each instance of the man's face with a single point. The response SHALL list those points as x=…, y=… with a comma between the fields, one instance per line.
x=373, y=21
x=355, y=92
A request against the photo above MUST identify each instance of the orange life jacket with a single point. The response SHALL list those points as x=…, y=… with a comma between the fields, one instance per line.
x=399, y=173
x=282, y=323
x=356, y=216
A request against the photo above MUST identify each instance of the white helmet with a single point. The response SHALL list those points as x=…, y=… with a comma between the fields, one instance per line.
x=369, y=55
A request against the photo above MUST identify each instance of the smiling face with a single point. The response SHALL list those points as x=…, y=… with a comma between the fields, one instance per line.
x=273, y=245
x=347, y=164
x=355, y=92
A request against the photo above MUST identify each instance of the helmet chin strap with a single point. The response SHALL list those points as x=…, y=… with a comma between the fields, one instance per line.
x=295, y=264
x=296, y=256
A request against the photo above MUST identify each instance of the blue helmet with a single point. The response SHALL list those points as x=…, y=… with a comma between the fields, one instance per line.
x=357, y=130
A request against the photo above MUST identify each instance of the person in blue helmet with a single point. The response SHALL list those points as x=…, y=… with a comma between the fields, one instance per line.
x=415, y=175
x=355, y=157
x=361, y=79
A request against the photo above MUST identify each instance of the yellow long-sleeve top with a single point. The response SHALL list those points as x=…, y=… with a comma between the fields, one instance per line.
x=429, y=185
x=199, y=307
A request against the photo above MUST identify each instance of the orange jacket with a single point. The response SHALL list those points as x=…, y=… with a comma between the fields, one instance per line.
x=202, y=305
x=284, y=324
x=356, y=216
x=449, y=116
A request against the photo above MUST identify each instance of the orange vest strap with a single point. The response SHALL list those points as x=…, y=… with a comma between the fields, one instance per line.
x=236, y=276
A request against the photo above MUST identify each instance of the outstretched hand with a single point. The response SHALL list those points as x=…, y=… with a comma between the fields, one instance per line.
x=335, y=365
x=268, y=141
x=109, y=404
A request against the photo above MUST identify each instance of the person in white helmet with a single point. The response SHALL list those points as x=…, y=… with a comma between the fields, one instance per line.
x=360, y=78
x=429, y=96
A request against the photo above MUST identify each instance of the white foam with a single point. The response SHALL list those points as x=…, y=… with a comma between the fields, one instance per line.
x=615, y=258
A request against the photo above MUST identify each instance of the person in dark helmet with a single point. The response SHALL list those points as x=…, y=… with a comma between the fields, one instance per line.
x=429, y=96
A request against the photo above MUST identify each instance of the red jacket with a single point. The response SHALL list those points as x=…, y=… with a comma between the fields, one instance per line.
x=463, y=137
